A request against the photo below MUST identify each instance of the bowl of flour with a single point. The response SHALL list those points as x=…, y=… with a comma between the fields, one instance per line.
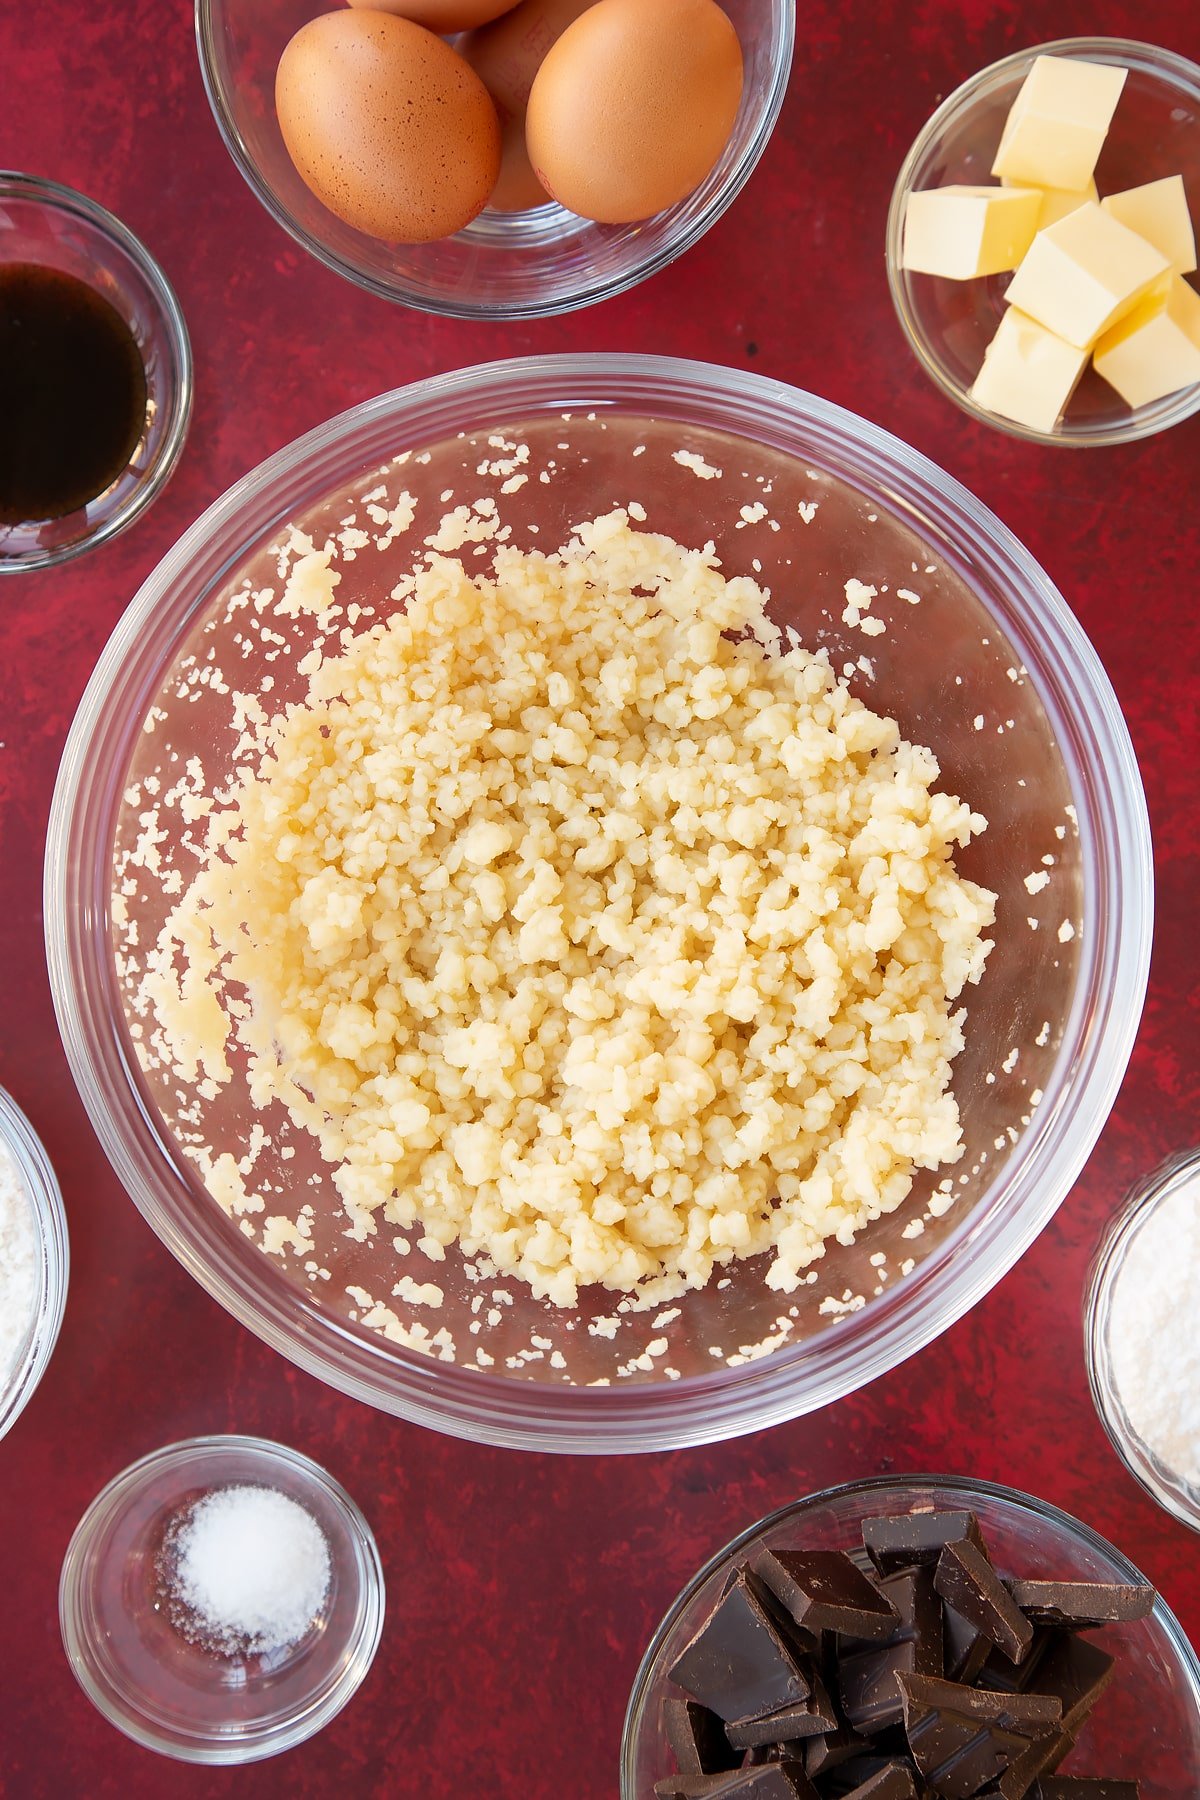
x=1143, y=1348
x=33, y=1260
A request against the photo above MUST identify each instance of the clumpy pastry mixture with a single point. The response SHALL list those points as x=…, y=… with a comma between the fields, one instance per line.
x=588, y=925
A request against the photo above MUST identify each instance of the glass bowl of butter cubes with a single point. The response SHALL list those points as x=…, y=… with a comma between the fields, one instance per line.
x=1041, y=243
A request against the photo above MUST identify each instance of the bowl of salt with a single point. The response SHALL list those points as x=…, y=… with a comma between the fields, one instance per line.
x=221, y=1600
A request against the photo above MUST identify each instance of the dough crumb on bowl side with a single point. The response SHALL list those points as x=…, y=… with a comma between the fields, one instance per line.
x=584, y=927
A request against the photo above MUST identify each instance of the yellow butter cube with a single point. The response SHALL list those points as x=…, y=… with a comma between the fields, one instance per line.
x=1058, y=122
x=1084, y=274
x=1155, y=350
x=1028, y=373
x=1159, y=213
x=960, y=232
x=1056, y=202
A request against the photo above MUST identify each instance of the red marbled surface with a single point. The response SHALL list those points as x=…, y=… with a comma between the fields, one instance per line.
x=522, y=1589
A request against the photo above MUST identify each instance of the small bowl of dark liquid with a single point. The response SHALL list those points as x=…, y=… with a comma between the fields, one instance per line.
x=95, y=375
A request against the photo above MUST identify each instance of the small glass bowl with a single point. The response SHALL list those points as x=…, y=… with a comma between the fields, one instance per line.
x=949, y=324
x=44, y=223
x=1163, y=1483
x=1159, y=1743
x=173, y=1696
x=503, y=265
x=25, y=1151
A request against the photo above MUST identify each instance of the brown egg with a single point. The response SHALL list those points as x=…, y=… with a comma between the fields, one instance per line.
x=633, y=106
x=387, y=125
x=506, y=55
x=442, y=16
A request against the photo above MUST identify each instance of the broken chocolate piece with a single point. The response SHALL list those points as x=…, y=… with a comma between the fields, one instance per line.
x=967, y=1581
x=1084, y=1787
x=1006, y=1677
x=963, y=1738
x=893, y=1782
x=822, y=1590
x=867, y=1678
x=697, y=1737
x=902, y=1541
x=738, y=1664
x=775, y=1781
x=822, y=1754
x=787, y=1724
x=767, y=1781
x=966, y=1649
x=1080, y=1605
x=1076, y=1672
x=694, y=1787
x=1042, y=1755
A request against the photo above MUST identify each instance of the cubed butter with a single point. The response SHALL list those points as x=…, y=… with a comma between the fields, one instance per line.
x=1155, y=350
x=960, y=232
x=1028, y=373
x=1159, y=213
x=1084, y=274
x=1058, y=122
x=1056, y=202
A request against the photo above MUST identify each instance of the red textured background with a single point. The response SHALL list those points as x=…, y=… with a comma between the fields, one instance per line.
x=522, y=1589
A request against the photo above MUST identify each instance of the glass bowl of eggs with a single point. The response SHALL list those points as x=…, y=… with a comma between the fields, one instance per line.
x=1123, y=229
x=394, y=147
x=589, y=1147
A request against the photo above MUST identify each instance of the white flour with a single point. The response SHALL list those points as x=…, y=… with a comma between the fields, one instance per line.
x=18, y=1263
x=1153, y=1332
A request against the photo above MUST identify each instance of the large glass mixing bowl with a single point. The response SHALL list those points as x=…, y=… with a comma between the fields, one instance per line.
x=980, y=659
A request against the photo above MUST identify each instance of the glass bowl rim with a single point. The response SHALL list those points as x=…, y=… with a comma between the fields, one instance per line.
x=1030, y=1504
x=32, y=1163
x=1169, y=67
x=179, y=376
x=783, y=15
x=285, y=1734
x=1164, y=1486
x=476, y=1404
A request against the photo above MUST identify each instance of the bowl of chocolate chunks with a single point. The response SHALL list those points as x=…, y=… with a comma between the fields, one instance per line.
x=928, y=1638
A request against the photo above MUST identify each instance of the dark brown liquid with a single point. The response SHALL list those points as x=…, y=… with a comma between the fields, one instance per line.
x=72, y=393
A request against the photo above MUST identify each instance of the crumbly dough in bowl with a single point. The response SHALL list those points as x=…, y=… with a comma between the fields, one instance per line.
x=588, y=925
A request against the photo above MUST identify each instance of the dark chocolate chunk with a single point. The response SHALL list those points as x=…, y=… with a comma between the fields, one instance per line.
x=823, y=1591
x=894, y=1782
x=967, y=1581
x=1006, y=1677
x=1078, y=1605
x=738, y=1664
x=1042, y=1755
x=697, y=1737
x=766, y=1781
x=1076, y=1672
x=823, y=1754
x=787, y=1724
x=903, y=1541
x=775, y=1781
x=1032, y=1715
x=694, y=1787
x=966, y=1649
x=867, y=1684
x=1084, y=1787
x=962, y=1738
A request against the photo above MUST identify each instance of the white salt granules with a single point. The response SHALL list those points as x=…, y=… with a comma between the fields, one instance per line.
x=18, y=1264
x=251, y=1567
x=1153, y=1332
